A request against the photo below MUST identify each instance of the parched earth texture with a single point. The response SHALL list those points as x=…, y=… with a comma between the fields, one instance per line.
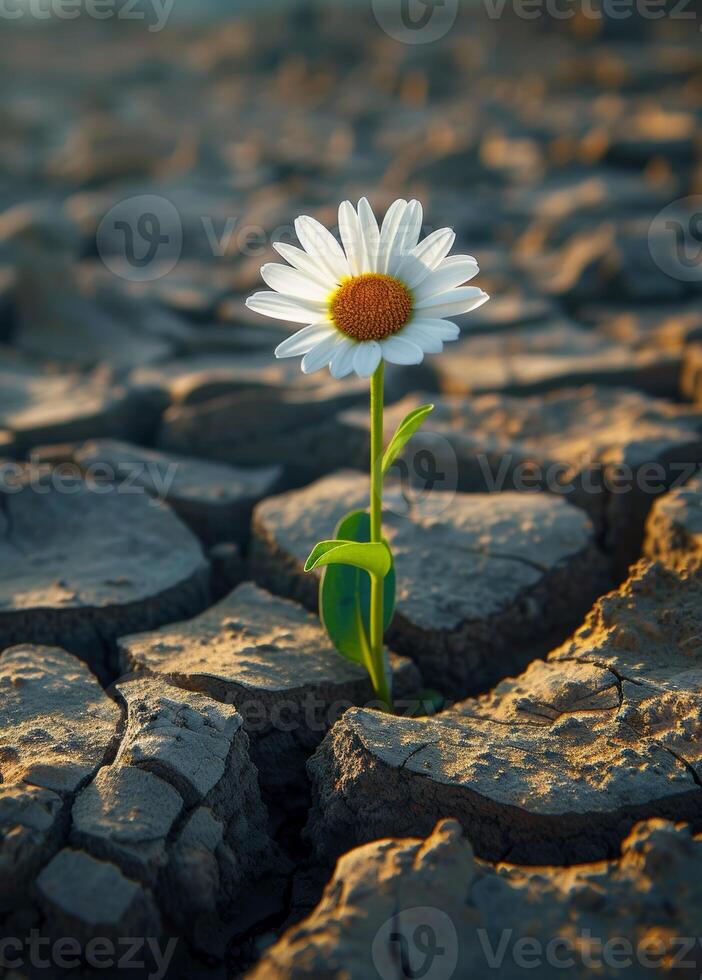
x=184, y=757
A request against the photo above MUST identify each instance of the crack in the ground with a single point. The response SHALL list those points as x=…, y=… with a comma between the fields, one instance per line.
x=416, y=751
x=696, y=778
x=650, y=740
x=619, y=677
x=647, y=739
x=557, y=713
x=599, y=709
x=456, y=745
x=519, y=559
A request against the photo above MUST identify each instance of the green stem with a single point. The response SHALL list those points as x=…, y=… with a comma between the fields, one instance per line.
x=378, y=677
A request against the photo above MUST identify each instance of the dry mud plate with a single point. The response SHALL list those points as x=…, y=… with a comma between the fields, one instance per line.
x=385, y=892
x=57, y=726
x=484, y=580
x=553, y=766
x=583, y=444
x=544, y=358
x=80, y=568
x=141, y=817
x=674, y=528
x=42, y=406
x=215, y=500
x=271, y=659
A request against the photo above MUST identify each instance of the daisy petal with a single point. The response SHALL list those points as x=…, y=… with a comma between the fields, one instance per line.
x=341, y=363
x=320, y=243
x=320, y=355
x=407, y=235
x=282, y=307
x=388, y=232
x=426, y=256
x=293, y=283
x=306, y=263
x=351, y=237
x=450, y=273
x=443, y=329
x=453, y=302
x=304, y=340
x=425, y=338
x=398, y=350
x=370, y=232
x=366, y=358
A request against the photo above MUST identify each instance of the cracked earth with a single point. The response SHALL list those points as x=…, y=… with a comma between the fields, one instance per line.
x=183, y=755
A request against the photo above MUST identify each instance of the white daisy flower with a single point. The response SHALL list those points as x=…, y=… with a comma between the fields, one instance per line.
x=383, y=296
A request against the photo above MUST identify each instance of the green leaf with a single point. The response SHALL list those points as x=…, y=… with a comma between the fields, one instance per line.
x=320, y=549
x=403, y=433
x=372, y=557
x=344, y=595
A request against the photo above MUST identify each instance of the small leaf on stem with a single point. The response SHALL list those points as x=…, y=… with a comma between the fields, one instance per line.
x=404, y=432
x=373, y=557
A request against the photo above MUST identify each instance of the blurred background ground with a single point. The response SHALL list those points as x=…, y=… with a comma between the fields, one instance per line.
x=551, y=145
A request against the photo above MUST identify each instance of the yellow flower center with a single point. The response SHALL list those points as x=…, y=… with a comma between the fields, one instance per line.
x=371, y=307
